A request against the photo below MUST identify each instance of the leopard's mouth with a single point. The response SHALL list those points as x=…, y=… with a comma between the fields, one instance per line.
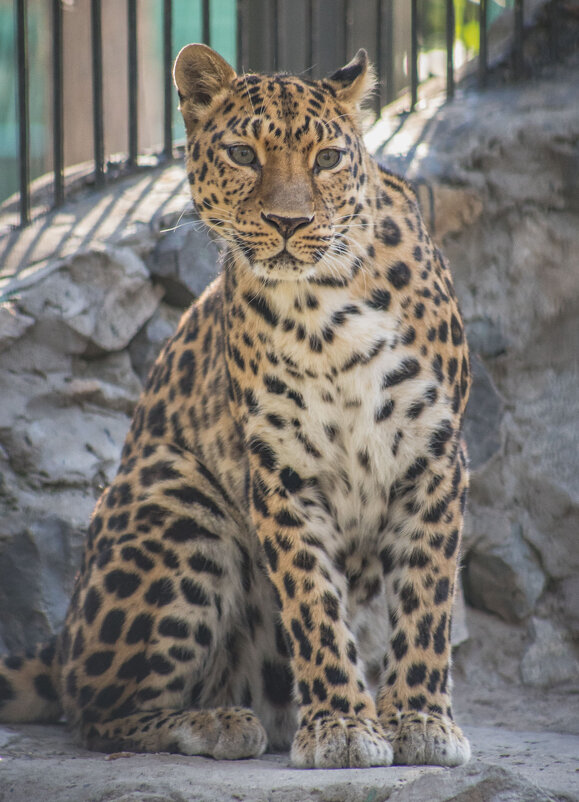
x=283, y=266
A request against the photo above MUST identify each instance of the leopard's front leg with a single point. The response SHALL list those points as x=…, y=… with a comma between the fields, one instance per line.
x=419, y=558
x=338, y=726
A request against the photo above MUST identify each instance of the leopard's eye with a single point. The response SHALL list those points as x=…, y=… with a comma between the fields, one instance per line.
x=242, y=154
x=328, y=158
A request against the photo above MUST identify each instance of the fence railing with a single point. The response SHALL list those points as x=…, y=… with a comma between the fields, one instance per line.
x=270, y=53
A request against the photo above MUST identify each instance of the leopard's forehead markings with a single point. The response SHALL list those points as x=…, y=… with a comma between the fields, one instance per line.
x=282, y=107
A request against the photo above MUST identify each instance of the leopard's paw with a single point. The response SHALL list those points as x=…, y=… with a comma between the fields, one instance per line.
x=341, y=742
x=225, y=733
x=428, y=739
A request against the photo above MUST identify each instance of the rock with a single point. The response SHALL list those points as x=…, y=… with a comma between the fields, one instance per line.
x=507, y=766
x=459, y=629
x=501, y=574
x=485, y=337
x=63, y=420
x=13, y=324
x=482, y=425
x=568, y=593
x=146, y=345
x=551, y=658
x=39, y=559
x=109, y=383
x=103, y=296
x=496, y=178
x=184, y=260
x=66, y=446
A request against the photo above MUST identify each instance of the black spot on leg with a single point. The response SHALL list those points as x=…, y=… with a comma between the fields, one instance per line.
x=98, y=663
x=172, y=627
x=451, y=544
x=271, y=553
x=399, y=645
x=277, y=682
x=331, y=605
x=112, y=626
x=122, y=583
x=305, y=646
x=409, y=599
x=387, y=559
x=340, y=703
x=289, y=585
x=424, y=628
x=335, y=675
x=433, y=680
x=157, y=419
x=92, y=605
x=194, y=593
x=439, y=638
x=44, y=688
x=136, y=667
x=203, y=635
x=416, y=674
x=442, y=590
x=160, y=592
x=417, y=702
x=305, y=560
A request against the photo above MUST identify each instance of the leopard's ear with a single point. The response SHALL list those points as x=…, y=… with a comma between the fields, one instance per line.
x=200, y=73
x=354, y=82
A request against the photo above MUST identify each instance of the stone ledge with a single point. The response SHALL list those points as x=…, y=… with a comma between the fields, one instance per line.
x=43, y=762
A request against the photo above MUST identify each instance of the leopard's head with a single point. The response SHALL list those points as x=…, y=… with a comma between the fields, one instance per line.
x=276, y=163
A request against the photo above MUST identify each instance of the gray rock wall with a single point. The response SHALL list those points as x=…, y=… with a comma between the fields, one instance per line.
x=82, y=317
x=497, y=175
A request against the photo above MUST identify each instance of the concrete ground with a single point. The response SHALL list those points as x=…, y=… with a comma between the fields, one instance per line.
x=43, y=763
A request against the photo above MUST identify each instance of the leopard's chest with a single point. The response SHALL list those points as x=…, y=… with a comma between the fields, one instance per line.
x=355, y=415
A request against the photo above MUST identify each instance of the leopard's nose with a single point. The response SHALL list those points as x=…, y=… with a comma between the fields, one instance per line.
x=287, y=226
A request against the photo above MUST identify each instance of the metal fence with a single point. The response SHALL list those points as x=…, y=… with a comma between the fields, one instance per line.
x=263, y=42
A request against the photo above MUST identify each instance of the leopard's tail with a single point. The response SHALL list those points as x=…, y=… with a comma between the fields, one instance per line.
x=29, y=685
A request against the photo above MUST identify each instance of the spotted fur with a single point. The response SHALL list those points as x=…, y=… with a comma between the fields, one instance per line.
x=276, y=558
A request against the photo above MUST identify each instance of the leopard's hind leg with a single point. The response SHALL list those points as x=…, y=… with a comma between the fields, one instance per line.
x=147, y=649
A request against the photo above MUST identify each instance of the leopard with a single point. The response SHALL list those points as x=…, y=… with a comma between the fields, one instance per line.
x=274, y=564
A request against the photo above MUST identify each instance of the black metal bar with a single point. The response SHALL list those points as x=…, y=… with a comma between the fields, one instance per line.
x=379, y=95
x=348, y=23
x=414, y=54
x=483, y=48
x=133, y=81
x=389, y=50
x=97, y=92
x=450, y=24
x=310, y=36
x=240, y=22
x=518, y=39
x=167, y=76
x=315, y=49
x=274, y=34
x=57, y=104
x=206, y=22
x=23, y=110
